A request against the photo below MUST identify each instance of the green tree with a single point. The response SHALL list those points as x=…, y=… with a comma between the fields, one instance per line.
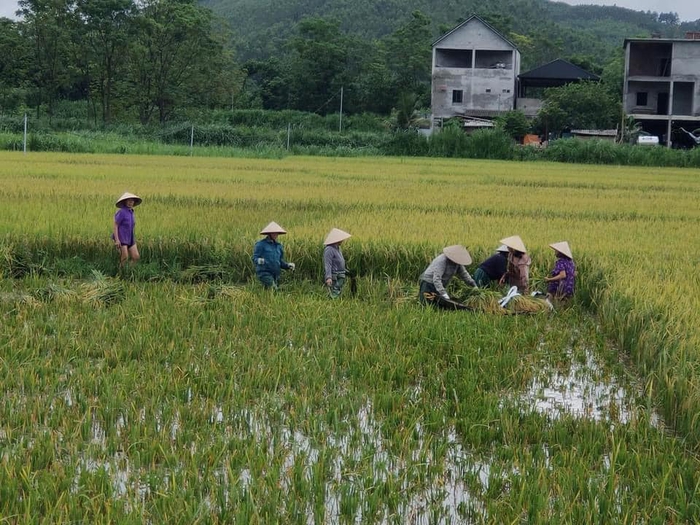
x=14, y=66
x=613, y=74
x=408, y=52
x=587, y=62
x=406, y=115
x=105, y=31
x=268, y=81
x=171, y=57
x=318, y=63
x=47, y=24
x=514, y=124
x=582, y=105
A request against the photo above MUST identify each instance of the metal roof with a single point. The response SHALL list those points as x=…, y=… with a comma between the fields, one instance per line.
x=558, y=70
x=650, y=40
x=477, y=17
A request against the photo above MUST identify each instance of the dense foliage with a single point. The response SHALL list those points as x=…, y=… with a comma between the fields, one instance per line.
x=155, y=61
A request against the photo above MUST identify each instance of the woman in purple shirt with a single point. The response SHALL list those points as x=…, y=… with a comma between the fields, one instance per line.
x=124, y=226
x=562, y=280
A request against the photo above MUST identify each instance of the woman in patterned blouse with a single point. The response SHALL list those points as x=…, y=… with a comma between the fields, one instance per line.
x=562, y=280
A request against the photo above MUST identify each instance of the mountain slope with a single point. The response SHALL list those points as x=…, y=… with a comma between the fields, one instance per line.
x=262, y=26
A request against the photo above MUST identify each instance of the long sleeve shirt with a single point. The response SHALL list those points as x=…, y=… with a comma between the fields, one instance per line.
x=441, y=270
x=333, y=261
x=518, y=271
x=495, y=266
x=273, y=255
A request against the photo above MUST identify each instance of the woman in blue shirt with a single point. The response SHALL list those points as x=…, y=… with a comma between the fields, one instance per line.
x=268, y=256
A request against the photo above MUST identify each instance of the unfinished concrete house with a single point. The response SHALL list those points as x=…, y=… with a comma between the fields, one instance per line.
x=474, y=74
x=662, y=86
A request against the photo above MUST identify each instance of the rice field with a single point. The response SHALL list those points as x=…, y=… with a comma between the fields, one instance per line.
x=183, y=392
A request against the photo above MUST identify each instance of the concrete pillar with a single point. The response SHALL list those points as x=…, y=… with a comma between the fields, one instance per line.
x=670, y=114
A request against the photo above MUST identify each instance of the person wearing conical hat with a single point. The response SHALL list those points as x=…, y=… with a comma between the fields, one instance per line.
x=518, y=265
x=268, y=256
x=333, y=262
x=440, y=271
x=124, y=227
x=493, y=268
x=562, y=279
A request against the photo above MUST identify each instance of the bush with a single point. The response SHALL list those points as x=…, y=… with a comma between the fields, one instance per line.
x=450, y=142
x=490, y=144
x=405, y=144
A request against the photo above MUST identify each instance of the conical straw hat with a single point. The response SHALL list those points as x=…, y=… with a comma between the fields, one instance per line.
x=273, y=227
x=515, y=242
x=125, y=197
x=335, y=236
x=563, y=248
x=458, y=254
x=502, y=248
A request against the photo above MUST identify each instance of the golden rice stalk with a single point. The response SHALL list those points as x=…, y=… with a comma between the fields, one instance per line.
x=54, y=292
x=485, y=303
x=103, y=290
x=17, y=298
x=523, y=304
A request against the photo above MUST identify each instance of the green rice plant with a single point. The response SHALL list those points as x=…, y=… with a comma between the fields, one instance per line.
x=54, y=292
x=18, y=298
x=204, y=273
x=102, y=290
x=201, y=211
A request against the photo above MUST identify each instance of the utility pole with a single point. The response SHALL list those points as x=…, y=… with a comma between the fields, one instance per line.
x=340, y=122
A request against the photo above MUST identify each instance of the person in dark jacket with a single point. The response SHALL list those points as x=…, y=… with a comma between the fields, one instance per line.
x=334, y=263
x=268, y=256
x=493, y=268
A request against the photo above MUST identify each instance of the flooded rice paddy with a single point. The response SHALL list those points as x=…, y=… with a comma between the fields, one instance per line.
x=224, y=419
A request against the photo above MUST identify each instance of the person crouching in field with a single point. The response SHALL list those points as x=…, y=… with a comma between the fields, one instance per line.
x=562, y=280
x=124, y=228
x=440, y=271
x=334, y=262
x=268, y=256
x=518, y=266
x=493, y=268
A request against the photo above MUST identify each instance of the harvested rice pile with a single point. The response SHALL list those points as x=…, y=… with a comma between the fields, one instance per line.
x=524, y=304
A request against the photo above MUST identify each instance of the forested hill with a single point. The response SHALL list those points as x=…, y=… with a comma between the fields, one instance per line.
x=262, y=26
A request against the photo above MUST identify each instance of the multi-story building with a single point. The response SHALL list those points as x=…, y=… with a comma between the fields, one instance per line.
x=662, y=85
x=474, y=72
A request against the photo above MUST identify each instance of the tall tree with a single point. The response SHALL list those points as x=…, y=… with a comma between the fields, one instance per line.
x=14, y=66
x=319, y=59
x=48, y=25
x=582, y=105
x=408, y=55
x=105, y=26
x=170, y=56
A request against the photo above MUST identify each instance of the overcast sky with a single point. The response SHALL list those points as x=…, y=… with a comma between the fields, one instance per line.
x=686, y=9
x=8, y=8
